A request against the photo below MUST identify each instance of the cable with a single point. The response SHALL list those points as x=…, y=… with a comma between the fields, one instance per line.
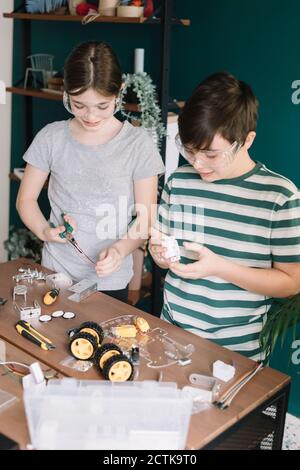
x=16, y=363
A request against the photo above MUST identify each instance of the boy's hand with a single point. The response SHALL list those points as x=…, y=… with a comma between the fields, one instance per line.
x=206, y=266
x=157, y=250
x=110, y=260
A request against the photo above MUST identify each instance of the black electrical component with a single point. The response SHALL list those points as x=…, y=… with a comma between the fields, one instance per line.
x=2, y=301
x=135, y=354
x=7, y=444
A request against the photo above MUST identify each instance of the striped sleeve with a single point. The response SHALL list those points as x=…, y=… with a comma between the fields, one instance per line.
x=162, y=220
x=285, y=234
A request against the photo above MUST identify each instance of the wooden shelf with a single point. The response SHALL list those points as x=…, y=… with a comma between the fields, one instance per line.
x=36, y=93
x=14, y=177
x=100, y=19
x=55, y=96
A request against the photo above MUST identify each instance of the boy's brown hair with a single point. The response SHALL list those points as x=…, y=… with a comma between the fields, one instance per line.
x=220, y=104
x=92, y=65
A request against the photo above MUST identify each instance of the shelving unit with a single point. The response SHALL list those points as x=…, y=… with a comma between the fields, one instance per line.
x=162, y=17
x=101, y=19
x=54, y=95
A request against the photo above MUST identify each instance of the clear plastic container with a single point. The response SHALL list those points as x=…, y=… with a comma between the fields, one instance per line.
x=73, y=414
x=6, y=400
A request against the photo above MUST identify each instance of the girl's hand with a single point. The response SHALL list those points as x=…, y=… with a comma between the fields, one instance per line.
x=156, y=249
x=110, y=260
x=71, y=222
x=52, y=234
x=206, y=266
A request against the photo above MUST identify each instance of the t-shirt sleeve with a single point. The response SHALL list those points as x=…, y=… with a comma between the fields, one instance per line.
x=38, y=153
x=162, y=220
x=285, y=234
x=147, y=161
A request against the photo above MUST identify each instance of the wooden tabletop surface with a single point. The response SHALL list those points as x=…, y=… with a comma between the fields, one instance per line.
x=204, y=426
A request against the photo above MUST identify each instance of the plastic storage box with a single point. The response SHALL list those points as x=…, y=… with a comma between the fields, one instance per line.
x=73, y=414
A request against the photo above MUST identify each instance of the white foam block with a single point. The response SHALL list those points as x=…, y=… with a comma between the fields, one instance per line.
x=223, y=371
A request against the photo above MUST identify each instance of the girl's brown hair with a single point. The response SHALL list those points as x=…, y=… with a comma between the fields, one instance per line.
x=221, y=104
x=92, y=65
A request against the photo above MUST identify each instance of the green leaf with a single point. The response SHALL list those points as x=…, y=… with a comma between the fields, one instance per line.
x=283, y=314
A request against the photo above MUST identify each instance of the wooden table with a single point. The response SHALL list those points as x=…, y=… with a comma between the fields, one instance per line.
x=235, y=427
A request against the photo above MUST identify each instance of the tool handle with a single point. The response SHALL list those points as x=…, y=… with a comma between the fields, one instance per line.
x=31, y=338
x=27, y=326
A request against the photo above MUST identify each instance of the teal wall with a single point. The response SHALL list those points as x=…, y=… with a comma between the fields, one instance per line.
x=258, y=41
x=286, y=358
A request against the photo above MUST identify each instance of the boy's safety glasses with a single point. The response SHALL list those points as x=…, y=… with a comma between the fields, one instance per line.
x=212, y=157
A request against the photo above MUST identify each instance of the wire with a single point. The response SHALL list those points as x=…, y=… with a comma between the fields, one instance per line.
x=16, y=363
x=9, y=366
x=79, y=250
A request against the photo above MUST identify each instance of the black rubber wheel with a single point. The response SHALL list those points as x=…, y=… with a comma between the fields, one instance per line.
x=94, y=329
x=83, y=346
x=105, y=352
x=118, y=369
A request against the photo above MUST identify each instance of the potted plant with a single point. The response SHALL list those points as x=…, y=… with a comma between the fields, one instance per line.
x=149, y=115
x=23, y=243
x=284, y=314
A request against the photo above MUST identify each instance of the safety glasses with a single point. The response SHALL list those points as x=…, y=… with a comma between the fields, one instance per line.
x=212, y=157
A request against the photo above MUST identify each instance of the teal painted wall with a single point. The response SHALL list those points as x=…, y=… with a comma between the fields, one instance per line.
x=258, y=41
x=286, y=358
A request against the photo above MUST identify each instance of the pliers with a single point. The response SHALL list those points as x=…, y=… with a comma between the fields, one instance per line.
x=67, y=235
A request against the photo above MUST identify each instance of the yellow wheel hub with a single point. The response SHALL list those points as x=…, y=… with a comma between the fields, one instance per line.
x=82, y=348
x=107, y=356
x=120, y=372
x=91, y=332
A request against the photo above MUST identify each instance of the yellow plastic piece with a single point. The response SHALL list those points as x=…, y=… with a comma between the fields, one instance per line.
x=82, y=349
x=50, y=297
x=120, y=372
x=91, y=332
x=125, y=331
x=141, y=324
x=107, y=355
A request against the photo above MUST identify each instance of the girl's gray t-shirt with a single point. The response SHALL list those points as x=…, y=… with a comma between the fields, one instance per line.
x=94, y=185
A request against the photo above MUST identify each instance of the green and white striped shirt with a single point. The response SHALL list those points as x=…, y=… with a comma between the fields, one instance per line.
x=253, y=220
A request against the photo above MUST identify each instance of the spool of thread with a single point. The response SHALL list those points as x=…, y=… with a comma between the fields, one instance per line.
x=139, y=55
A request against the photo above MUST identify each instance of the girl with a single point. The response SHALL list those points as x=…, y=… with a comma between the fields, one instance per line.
x=102, y=172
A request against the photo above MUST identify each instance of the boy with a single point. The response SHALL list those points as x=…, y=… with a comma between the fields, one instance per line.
x=250, y=227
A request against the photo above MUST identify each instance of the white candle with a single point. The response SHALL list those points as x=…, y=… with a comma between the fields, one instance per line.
x=139, y=60
x=2, y=92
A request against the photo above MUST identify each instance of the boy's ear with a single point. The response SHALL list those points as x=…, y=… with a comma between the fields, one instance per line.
x=249, y=140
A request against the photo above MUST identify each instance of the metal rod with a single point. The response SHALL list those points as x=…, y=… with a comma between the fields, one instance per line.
x=166, y=20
